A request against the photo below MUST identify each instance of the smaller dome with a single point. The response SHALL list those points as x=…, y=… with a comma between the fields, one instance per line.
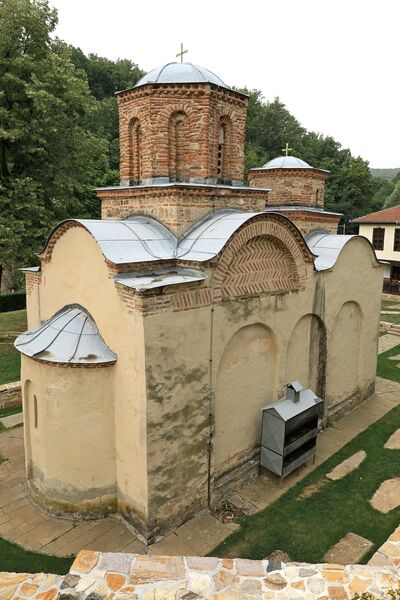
x=69, y=337
x=287, y=162
x=181, y=73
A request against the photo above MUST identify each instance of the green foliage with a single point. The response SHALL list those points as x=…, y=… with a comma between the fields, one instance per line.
x=13, y=301
x=11, y=325
x=50, y=159
x=394, y=197
x=385, y=174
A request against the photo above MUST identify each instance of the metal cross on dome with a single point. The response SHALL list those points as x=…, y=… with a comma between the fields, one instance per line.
x=181, y=53
x=286, y=149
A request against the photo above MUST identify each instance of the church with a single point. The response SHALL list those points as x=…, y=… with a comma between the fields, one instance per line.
x=159, y=332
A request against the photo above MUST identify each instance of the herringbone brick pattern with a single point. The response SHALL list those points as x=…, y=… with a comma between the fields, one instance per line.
x=262, y=265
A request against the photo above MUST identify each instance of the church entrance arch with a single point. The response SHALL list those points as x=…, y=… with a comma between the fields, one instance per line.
x=306, y=354
x=246, y=381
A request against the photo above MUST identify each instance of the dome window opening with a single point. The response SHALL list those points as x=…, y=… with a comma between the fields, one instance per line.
x=221, y=152
x=35, y=412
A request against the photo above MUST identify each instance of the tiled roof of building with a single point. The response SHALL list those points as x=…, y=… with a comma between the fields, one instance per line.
x=389, y=215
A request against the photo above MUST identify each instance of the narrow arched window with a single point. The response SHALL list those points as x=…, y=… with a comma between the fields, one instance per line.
x=134, y=151
x=177, y=158
x=221, y=151
x=35, y=412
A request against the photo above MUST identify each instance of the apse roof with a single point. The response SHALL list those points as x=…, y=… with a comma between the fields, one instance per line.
x=69, y=337
x=180, y=73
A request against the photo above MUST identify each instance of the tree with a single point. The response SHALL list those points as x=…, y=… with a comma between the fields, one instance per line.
x=49, y=154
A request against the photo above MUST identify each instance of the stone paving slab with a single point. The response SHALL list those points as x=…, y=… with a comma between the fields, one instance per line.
x=393, y=443
x=387, y=496
x=12, y=420
x=347, y=466
x=388, y=341
x=350, y=549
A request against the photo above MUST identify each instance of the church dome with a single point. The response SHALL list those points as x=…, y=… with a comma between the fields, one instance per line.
x=286, y=162
x=181, y=73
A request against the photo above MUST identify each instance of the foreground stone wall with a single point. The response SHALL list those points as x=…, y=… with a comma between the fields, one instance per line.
x=96, y=575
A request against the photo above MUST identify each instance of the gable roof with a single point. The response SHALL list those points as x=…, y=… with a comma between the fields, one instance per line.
x=388, y=215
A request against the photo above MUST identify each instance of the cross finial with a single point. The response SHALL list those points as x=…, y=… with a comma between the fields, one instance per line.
x=286, y=149
x=181, y=53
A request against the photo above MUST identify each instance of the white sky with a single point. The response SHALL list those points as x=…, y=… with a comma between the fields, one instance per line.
x=334, y=63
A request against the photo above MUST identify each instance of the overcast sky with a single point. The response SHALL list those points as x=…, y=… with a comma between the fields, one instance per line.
x=334, y=63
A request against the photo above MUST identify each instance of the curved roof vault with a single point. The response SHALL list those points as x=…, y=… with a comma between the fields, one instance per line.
x=143, y=239
x=328, y=246
x=69, y=337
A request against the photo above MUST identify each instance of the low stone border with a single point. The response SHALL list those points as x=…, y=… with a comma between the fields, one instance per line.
x=10, y=394
x=98, y=576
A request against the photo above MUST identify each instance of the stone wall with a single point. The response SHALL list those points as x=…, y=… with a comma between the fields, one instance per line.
x=99, y=576
x=10, y=394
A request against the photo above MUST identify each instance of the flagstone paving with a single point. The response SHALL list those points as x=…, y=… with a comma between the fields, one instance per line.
x=387, y=496
x=393, y=442
x=24, y=523
x=349, y=550
x=347, y=466
x=386, y=342
x=12, y=420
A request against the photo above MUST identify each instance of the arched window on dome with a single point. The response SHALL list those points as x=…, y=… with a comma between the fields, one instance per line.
x=134, y=151
x=176, y=148
x=223, y=149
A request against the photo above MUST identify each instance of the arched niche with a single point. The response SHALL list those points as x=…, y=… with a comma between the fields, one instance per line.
x=134, y=150
x=246, y=381
x=306, y=354
x=344, y=354
x=177, y=148
x=224, y=148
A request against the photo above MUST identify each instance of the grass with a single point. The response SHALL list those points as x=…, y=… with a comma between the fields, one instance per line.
x=14, y=558
x=11, y=324
x=10, y=410
x=307, y=528
x=390, y=305
x=386, y=367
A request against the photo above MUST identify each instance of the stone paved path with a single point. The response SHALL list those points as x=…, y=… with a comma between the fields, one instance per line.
x=25, y=524
x=12, y=420
x=347, y=466
x=386, y=342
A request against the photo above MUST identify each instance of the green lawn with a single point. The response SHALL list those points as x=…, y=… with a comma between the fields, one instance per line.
x=307, y=528
x=386, y=367
x=11, y=324
x=390, y=305
x=13, y=558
